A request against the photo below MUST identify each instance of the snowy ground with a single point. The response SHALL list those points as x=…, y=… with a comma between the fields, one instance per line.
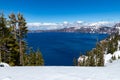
x=110, y=72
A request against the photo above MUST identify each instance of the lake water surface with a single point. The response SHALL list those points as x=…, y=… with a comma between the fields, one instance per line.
x=59, y=49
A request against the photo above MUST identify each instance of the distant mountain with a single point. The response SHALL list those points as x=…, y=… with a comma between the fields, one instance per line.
x=100, y=27
x=117, y=25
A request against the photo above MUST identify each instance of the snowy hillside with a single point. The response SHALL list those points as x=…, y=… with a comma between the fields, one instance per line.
x=110, y=72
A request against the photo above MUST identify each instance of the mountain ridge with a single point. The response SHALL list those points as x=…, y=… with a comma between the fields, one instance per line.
x=103, y=29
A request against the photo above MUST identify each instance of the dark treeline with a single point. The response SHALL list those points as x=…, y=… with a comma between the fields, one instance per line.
x=95, y=57
x=13, y=47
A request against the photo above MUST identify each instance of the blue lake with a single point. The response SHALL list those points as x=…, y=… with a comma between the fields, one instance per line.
x=59, y=49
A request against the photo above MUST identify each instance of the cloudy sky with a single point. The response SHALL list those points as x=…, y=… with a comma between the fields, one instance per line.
x=57, y=11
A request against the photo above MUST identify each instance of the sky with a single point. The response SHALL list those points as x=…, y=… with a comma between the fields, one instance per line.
x=63, y=10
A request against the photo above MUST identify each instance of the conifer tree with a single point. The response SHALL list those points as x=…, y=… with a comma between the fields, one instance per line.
x=118, y=57
x=19, y=29
x=12, y=44
x=4, y=37
x=100, y=55
x=39, y=58
x=74, y=61
x=92, y=59
x=113, y=58
x=22, y=31
x=13, y=24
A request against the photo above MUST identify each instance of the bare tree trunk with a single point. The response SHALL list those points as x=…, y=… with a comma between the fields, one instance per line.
x=14, y=30
x=0, y=57
x=21, y=54
x=20, y=48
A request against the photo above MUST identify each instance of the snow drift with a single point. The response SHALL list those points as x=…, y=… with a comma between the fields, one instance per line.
x=2, y=64
x=110, y=72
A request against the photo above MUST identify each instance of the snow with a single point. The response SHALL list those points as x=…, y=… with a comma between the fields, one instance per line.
x=118, y=27
x=7, y=78
x=97, y=25
x=107, y=58
x=81, y=58
x=116, y=54
x=4, y=64
x=110, y=72
x=118, y=46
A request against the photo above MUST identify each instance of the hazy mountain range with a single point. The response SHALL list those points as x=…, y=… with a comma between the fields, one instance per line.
x=78, y=26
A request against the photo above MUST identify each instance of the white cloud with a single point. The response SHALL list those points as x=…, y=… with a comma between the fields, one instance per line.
x=34, y=24
x=42, y=26
x=66, y=24
x=79, y=22
x=101, y=23
x=47, y=24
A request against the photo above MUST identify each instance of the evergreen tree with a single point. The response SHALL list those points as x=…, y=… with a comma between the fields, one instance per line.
x=13, y=24
x=113, y=58
x=118, y=57
x=34, y=58
x=22, y=31
x=19, y=30
x=39, y=58
x=92, y=59
x=12, y=44
x=4, y=36
x=113, y=43
x=74, y=61
x=100, y=55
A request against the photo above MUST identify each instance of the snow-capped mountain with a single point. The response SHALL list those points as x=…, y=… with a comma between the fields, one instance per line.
x=78, y=26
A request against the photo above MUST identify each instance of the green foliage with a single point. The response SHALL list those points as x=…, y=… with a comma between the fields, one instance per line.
x=118, y=57
x=96, y=56
x=74, y=61
x=39, y=58
x=112, y=44
x=100, y=55
x=34, y=58
x=91, y=59
x=113, y=58
x=12, y=45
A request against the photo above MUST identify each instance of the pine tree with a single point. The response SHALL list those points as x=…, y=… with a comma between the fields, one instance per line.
x=13, y=24
x=19, y=30
x=22, y=31
x=113, y=58
x=100, y=55
x=118, y=57
x=39, y=58
x=74, y=61
x=12, y=44
x=4, y=36
x=112, y=44
x=92, y=59
x=34, y=58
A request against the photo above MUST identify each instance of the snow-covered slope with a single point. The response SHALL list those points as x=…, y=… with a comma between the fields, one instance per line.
x=4, y=64
x=107, y=58
x=116, y=54
x=110, y=72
